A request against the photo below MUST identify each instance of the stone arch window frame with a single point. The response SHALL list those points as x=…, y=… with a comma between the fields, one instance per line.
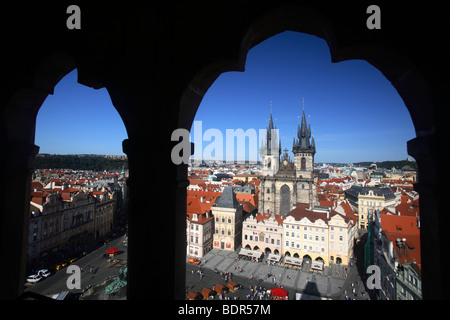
x=21, y=112
x=399, y=71
x=402, y=73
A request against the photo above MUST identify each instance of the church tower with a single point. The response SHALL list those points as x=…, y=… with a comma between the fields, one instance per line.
x=289, y=183
x=304, y=149
x=270, y=150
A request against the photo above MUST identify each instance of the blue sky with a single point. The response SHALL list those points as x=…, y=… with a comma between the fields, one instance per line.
x=77, y=119
x=354, y=111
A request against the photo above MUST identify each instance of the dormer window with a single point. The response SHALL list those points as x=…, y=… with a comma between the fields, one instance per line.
x=195, y=217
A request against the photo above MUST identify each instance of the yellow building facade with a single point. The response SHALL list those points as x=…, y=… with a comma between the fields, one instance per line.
x=321, y=235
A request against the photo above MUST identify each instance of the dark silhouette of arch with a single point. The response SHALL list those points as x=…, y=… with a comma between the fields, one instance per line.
x=160, y=70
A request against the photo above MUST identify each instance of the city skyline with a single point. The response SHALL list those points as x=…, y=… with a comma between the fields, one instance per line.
x=355, y=113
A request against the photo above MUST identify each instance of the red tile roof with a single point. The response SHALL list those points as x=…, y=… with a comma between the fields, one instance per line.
x=302, y=211
x=261, y=217
x=403, y=227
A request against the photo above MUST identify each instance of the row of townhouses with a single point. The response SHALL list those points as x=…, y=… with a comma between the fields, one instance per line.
x=65, y=221
x=297, y=218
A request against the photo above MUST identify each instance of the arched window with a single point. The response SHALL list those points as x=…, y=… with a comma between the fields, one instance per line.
x=285, y=199
x=303, y=164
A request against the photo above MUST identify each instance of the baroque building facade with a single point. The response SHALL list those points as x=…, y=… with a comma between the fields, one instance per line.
x=228, y=221
x=294, y=181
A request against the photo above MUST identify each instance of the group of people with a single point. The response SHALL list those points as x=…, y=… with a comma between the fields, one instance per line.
x=225, y=275
x=199, y=272
x=258, y=293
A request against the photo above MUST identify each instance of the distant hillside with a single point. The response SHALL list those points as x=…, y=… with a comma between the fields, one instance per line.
x=389, y=164
x=79, y=162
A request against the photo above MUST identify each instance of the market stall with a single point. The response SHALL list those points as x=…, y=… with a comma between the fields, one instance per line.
x=297, y=262
x=279, y=294
x=233, y=286
x=220, y=288
x=273, y=257
x=207, y=292
x=194, y=295
x=112, y=252
x=317, y=266
x=250, y=254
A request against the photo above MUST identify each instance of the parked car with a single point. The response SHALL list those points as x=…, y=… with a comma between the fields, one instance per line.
x=44, y=273
x=194, y=260
x=60, y=266
x=34, y=278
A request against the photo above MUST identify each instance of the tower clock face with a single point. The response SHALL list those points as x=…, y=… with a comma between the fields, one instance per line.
x=285, y=162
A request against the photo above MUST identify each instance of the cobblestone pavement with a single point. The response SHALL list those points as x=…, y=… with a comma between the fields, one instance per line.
x=331, y=284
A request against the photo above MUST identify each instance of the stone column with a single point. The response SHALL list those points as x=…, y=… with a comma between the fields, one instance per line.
x=16, y=192
x=434, y=218
x=156, y=222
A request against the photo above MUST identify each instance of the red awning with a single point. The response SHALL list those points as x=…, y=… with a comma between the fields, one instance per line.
x=279, y=292
x=112, y=250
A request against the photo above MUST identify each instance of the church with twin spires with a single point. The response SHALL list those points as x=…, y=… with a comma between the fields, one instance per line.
x=284, y=182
